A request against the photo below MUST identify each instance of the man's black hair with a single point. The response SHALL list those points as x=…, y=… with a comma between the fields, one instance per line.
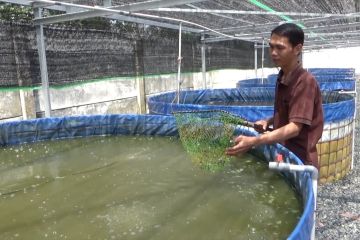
x=292, y=31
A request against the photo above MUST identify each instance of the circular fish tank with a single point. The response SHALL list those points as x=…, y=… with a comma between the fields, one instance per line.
x=128, y=177
x=329, y=79
x=240, y=101
x=335, y=148
x=257, y=82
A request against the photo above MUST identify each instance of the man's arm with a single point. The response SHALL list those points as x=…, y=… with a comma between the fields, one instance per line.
x=244, y=143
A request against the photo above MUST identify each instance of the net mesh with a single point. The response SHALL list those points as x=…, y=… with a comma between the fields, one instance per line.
x=206, y=134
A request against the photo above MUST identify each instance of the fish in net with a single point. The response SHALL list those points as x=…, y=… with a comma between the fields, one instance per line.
x=205, y=134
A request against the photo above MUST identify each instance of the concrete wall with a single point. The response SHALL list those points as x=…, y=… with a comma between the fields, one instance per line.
x=10, y=106
x=110, y=96
x=103, y=97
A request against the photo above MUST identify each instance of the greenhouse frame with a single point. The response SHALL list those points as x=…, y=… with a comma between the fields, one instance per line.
x=206, y=29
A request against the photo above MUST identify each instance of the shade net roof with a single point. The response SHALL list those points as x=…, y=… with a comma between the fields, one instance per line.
x=326, y=23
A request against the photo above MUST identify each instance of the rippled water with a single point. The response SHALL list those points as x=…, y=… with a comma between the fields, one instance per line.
x=137, y=188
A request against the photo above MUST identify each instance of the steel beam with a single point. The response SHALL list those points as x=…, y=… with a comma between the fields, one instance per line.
x=352, y=38
x=99, y=11
x=222, y=15
x=334, y=27
x=344, y=34
x=116, y=17
x=20, y=2
x=335, y=43
x=243, y=12
x=308, y=34
x=328, y=46
x=267, y=26
x=29, y=3
x=216, y=39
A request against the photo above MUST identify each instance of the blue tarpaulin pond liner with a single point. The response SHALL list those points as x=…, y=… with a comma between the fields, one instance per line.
x=335, y=146
x=250, y=103
x=257, y=82
x=350, y=72
x=256, y=103
x=328, y=78
x=19, y=132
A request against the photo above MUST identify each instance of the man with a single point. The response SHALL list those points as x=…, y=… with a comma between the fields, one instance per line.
x=298, y=114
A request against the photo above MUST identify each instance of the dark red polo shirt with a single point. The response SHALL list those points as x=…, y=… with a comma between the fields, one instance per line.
x=298, y=99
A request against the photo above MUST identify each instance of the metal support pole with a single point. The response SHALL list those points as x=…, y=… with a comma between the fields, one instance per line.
x=353, y=137
x=43, y=64
x=354, y=128
x=354, y=124
x=203, y=60
x=256, y=60
x=262, y=60
x=179, y=66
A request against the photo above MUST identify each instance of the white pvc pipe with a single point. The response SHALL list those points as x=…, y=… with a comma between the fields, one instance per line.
x=203, y=60
x=353, y=125
x=287, y=167
x=179, y=66
x=262, y=60
x=255, y=60
x=354, y=130
x=23, y=105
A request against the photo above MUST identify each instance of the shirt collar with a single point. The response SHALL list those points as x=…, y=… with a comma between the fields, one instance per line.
x=286, y=81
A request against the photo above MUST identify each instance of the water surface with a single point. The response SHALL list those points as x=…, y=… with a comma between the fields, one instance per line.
x=137, y=188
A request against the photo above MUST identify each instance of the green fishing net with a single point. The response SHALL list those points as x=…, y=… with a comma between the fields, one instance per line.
x=205, y=134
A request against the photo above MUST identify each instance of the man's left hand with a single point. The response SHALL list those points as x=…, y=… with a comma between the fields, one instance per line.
x=242, y=145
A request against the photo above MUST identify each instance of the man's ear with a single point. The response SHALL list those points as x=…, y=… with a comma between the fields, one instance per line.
x=298, y=49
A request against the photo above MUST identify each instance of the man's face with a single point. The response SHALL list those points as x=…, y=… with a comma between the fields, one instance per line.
x=281, y=51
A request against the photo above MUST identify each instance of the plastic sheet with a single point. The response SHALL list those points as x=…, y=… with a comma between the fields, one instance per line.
x=82, y=126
